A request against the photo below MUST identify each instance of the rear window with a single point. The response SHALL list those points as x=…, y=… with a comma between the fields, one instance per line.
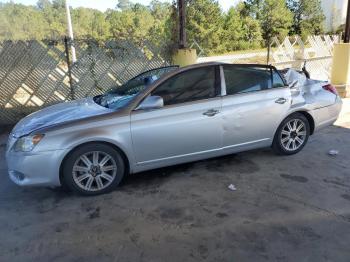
x=246, y=79
x=277, y=80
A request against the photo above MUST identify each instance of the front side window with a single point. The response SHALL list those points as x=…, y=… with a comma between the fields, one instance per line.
x=120, y=96
x=245, y=79
x=192, y=85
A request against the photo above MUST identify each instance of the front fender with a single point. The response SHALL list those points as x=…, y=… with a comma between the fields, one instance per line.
x=113, y=131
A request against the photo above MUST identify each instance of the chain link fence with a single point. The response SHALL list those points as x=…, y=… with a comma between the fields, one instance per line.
x=316, y=52
x=35, y=74
x=291, y=52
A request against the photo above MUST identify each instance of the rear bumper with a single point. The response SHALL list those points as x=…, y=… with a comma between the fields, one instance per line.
x=34, y=169
x=326, y=116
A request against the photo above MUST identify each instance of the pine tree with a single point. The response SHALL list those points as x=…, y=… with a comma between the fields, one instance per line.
x=251, y=30
x=308, y=17
x=253, y=8
x=232, y=33
x=205, y=24
x=133, y=24
x=276, y=19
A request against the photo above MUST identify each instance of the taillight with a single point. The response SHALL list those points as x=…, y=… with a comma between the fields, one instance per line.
x=330, y=88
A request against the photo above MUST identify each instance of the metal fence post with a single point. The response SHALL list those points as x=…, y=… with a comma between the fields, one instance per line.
x=268, y=52
x=347, y=25
x=182, y=24
x=72, y=95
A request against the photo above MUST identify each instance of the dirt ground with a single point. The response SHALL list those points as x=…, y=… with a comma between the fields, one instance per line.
x=293, y=208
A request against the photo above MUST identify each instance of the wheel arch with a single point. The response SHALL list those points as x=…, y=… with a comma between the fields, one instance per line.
x=310, y=119
x=308, y=116
x=122, y=153
x=276, y=145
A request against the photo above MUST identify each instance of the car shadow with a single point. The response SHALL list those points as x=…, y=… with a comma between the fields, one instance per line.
x=143, y=181
x=155, y=176
x=217, y=164
x=148, y=180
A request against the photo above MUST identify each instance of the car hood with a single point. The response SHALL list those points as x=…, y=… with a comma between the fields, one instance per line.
x=60, y=113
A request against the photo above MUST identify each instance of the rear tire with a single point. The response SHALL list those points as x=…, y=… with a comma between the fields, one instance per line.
x=292, y=135
x=93, y=169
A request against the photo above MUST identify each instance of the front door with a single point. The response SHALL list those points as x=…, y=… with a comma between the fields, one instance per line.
x=188, y=127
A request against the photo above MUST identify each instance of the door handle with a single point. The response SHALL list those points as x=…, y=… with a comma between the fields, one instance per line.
x=211, y=112
x=281, y=100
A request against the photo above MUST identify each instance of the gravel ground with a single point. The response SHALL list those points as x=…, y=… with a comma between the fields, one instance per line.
x=293, y=208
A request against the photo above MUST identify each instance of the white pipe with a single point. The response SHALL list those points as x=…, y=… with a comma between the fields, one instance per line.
x=70, y=32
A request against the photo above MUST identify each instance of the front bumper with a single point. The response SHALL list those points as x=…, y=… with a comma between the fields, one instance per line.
x=35, y=169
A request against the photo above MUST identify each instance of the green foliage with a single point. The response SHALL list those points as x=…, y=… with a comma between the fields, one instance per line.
x=134, y=23
x=276, y=19
x=340, y=29
x=251, y=32
x=308, y=17
x=161, y=12
x=90, y=23
x=240, y=30
x=204, y=24
x=233, y=30
x=244, y=26
x=16, y=20
x=265, y=18
x=253, y=8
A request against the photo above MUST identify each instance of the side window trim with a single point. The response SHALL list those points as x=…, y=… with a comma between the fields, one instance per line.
x=280, y=76
x=271, y=76
x=222, y=81
x=217, y=81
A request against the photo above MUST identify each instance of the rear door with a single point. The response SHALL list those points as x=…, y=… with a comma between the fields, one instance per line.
x=188, y=127
x=256, y=102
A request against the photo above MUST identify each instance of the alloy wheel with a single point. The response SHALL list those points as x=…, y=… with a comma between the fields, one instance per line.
x=94, y=171
x=293, y=135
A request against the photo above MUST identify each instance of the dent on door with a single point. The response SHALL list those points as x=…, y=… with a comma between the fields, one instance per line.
x=250, y=120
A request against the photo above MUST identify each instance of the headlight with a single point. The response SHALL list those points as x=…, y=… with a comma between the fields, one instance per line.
x=27, y=143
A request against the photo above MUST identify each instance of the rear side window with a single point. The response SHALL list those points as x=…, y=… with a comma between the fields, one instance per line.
x=196, y=84
x=277, y=80
x=246, y=79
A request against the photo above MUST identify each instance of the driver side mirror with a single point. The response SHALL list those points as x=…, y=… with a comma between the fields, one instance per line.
x=151, y=102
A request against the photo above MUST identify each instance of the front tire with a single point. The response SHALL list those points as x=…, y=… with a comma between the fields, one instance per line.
x=292, y=135
x=93, y=169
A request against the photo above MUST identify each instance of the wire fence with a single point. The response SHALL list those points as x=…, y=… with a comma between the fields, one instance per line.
x=316, y=52
x=35, y=74
x=291, y=52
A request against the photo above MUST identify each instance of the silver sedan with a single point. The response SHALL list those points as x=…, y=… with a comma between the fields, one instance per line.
x=164, y=117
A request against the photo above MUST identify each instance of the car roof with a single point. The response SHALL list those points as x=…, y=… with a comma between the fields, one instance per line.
x=199, y=65
x=221, y=63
